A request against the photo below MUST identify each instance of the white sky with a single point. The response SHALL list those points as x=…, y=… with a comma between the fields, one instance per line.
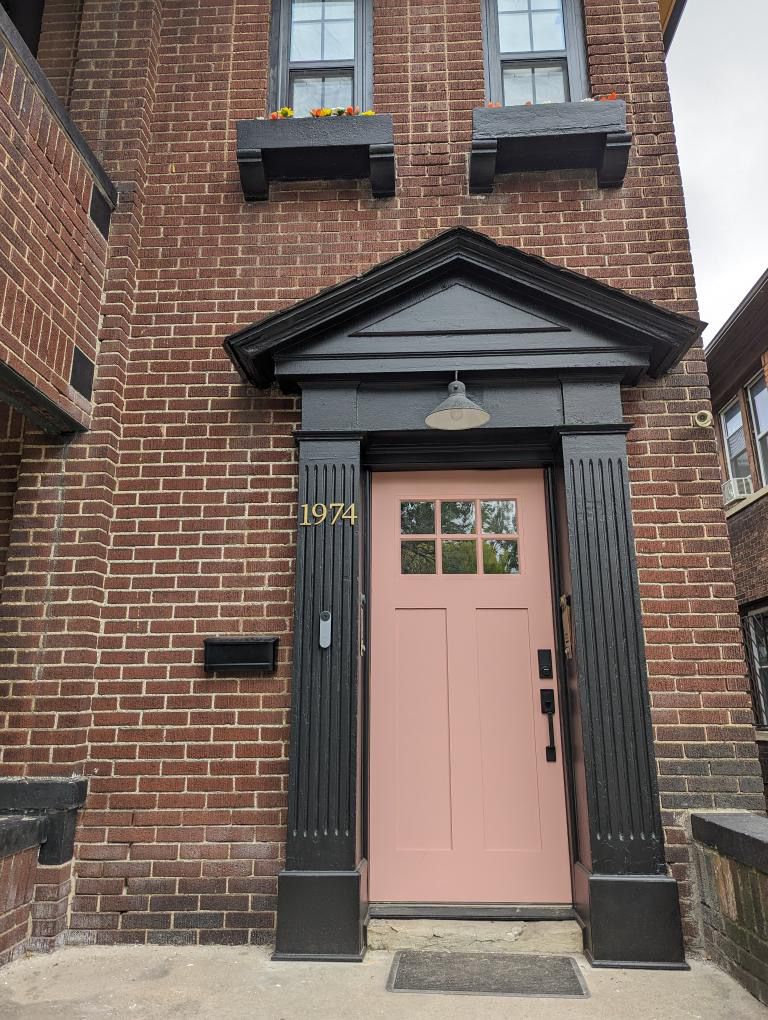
x=718, y=74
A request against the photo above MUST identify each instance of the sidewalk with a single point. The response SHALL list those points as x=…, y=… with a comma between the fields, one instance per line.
x=220, y=983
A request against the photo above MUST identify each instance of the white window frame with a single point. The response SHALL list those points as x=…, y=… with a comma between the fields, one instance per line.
x=724, y=432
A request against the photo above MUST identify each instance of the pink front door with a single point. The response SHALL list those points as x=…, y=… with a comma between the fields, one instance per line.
x=464, y=805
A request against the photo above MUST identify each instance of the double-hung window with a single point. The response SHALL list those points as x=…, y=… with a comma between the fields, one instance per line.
x=320, y=54
x=735, y=441
x=534, y=51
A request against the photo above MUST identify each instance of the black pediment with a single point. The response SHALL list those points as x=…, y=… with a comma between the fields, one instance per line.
x=461, y=301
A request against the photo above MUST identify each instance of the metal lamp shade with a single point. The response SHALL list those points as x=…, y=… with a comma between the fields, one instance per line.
x=457, y=411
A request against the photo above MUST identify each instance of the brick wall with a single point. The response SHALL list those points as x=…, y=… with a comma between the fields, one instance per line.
x=59, y=39
x=184, y=528
x=51, y=253
x=748, y=530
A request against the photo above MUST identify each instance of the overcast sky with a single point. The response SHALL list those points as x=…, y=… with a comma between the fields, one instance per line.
x=718, y=73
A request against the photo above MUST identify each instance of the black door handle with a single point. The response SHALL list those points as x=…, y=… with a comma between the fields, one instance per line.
x=548, y=709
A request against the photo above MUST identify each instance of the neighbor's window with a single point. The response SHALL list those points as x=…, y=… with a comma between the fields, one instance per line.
x=758, y=404
x=756, y=639
x=320, y=54
x=534, y=51
x=735, y=441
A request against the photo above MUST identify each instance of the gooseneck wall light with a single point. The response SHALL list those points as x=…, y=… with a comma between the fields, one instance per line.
x=457, y=411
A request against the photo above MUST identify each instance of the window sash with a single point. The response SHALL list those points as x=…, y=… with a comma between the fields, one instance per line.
x=761, y=438
x=731, y=452
x=573, y=57
x=283, y=69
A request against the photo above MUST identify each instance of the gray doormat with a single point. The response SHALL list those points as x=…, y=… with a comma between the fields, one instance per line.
x=486, y=974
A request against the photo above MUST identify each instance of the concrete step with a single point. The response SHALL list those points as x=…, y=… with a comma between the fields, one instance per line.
x=475, y=936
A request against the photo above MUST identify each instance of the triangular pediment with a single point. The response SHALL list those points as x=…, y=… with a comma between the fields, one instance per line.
x=459, y=308
x=462, y=301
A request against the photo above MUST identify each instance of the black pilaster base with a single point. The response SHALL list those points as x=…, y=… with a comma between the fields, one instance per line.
x=320, y=915
x=634, y=922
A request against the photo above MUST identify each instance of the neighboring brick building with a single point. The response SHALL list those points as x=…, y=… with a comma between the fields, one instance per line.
x=512, y=245
x=737, y=360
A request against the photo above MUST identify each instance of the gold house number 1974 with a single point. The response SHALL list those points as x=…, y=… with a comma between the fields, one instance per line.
x=313, y=514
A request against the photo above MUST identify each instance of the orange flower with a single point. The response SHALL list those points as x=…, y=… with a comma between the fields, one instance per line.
x=493, y=106
x=274, y=116
x=352, y=111
x=611, y=95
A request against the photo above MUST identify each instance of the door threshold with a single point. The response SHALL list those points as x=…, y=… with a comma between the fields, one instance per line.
x=473, y=911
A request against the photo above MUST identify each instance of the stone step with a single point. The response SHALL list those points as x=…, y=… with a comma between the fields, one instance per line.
x=475, y=936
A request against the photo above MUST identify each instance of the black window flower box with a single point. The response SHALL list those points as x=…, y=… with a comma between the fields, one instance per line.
x=551, y=136
x=316, y=148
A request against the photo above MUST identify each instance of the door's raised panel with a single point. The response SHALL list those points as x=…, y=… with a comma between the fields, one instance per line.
x=510, y=794
x=422, y=743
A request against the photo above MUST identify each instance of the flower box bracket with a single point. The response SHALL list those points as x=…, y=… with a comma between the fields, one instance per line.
x=552, y=136
x=316, y=149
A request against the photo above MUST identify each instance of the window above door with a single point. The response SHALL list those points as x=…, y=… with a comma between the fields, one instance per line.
x=320, y=54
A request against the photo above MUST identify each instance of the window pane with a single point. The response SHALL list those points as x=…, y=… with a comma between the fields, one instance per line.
x=339, y=40
x=499, y=516
x=548, y=31
x=512, y=5
x=417, y=517
x=518, y=85
x=459, y=557
x=732, y=419
x=759, y=395
x=457, y=517
x=756, y=628
x=763, y=445
x=417, y=557
x=500, y=556
x=309, y=92
x=307, y=41
x=340, y=9
x=514, y=33
x=549, y=85
x=547, y=5
x=306, y=10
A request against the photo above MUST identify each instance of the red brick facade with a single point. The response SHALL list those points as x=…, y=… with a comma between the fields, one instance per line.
x=173, y=518
x=51, y=254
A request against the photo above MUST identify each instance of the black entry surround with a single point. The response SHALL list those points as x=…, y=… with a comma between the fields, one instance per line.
x=545, y=351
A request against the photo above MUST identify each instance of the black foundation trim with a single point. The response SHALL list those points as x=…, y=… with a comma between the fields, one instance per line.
x=57, y=801
x=473, y=911
x=320, y=915
x=21, y=832
x=634, y=922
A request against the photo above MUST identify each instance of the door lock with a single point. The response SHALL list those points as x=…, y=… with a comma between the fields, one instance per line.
x=548, y=709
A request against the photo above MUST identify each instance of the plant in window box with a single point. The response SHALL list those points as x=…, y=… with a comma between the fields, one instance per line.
x=550, y=136
x=330, y=143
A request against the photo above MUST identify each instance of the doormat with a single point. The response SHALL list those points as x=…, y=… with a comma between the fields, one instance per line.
x=486, y=974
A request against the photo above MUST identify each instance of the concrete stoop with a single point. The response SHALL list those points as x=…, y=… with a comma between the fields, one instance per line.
x=475, y=936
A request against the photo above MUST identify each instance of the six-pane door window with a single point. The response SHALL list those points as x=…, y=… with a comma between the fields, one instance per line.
x=459, y=536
